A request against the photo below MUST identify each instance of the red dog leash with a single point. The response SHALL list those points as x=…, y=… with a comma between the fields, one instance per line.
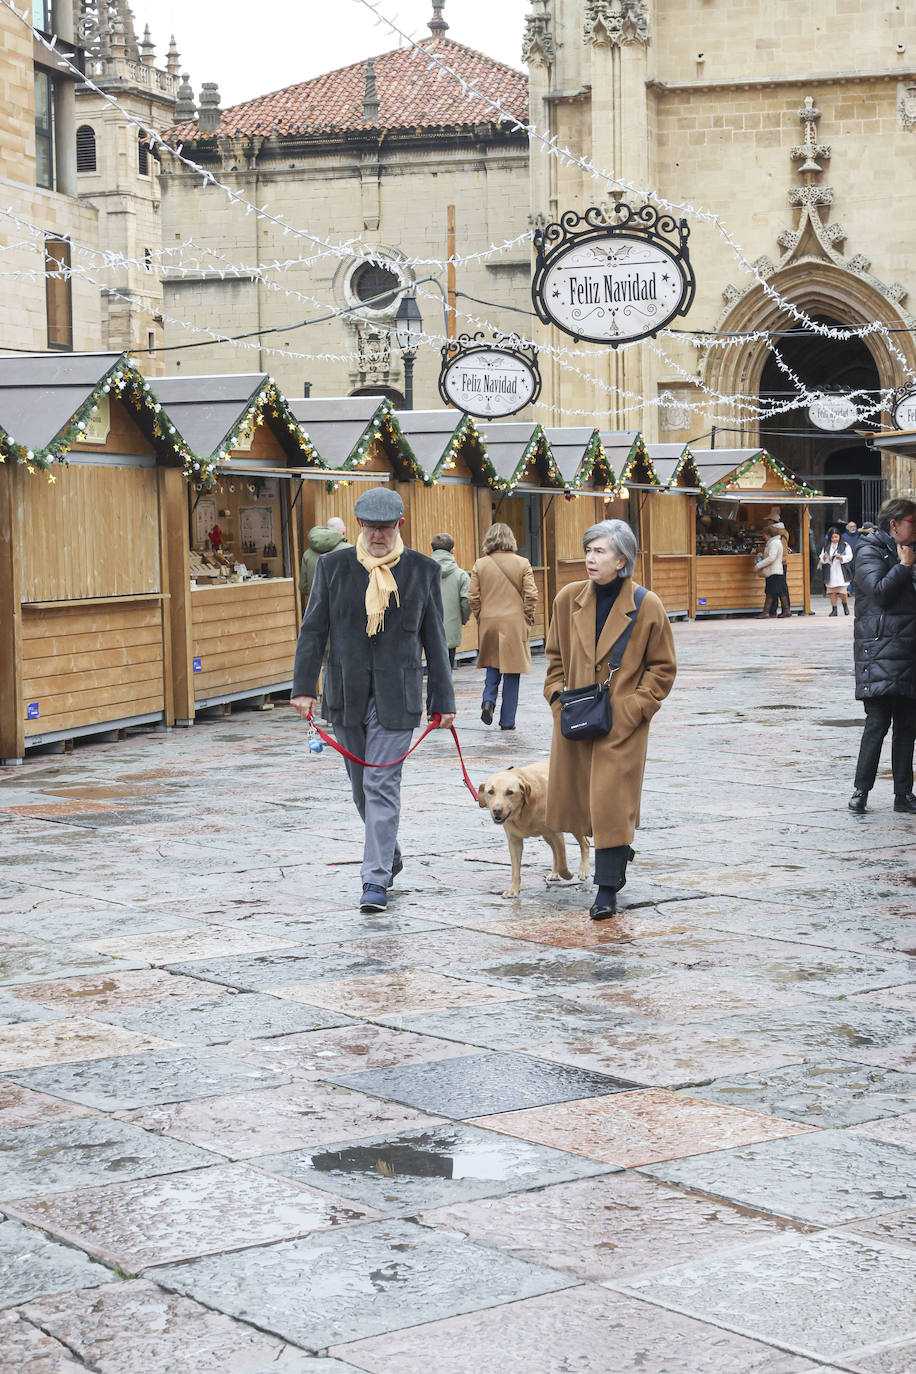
x=433, y=725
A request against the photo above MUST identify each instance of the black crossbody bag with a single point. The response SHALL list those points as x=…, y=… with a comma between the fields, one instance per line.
x=585, y=712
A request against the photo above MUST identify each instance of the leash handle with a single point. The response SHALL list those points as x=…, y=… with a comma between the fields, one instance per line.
x=433, y=725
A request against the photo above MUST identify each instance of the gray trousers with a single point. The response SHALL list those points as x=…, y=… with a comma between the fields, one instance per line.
x=376, y=791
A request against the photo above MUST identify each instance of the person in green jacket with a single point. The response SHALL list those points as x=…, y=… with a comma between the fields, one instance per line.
x=455, y=584
x=322, y=539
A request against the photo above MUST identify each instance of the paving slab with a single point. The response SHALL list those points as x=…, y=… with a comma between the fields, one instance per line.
x=80, y=925
x=522, y=1021
x=56, y=1156
x=613, y=1227
x=826, y=1296
x=64, y=1041
x=31, y=961
x=633, y=1128
x=579, y=1329
x=280, y=968
x=30, y=1351
x=391, y=996
x=130, y=1327
x=367, y=1279
x=169, y=1074
x=347, y=1049
x=204, y=1211
x=900, y=1130
x=22, y=1107
x=898, y=1228
x=201, y=942
x=32, y=1265
x=304, y=1114
x=410, y=1170
x=480, y=1084
x=216, y=1022
x=112, y=992
x=15, y=1010
x=825, y=1177
x=826, y=1093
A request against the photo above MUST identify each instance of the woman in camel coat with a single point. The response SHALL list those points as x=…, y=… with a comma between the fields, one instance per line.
x=504, y=597
x=595, y=785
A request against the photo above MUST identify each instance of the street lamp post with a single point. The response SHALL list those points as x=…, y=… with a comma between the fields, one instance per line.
x=408, y=329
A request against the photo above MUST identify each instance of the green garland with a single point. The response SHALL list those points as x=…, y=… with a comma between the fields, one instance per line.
x=732, y=479
x=537, y=442
x=204, y=472
x=466, y=432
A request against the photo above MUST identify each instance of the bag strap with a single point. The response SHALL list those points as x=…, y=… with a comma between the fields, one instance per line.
x=512, y=584
x=639, y=596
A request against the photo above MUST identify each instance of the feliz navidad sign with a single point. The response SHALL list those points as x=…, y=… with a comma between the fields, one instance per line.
x=489, y=380
x=613, y=276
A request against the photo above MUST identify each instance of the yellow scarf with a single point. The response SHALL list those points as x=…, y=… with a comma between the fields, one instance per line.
x=381, y=583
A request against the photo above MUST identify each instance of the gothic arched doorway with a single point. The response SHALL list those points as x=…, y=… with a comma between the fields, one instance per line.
x=854, y=472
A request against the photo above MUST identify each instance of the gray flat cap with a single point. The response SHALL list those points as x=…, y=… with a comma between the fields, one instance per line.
x=380, y=505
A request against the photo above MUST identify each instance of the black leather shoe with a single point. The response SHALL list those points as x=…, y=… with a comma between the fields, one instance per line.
x=486, y=712
x=906, y=804
x=857, y=801
x=605, y=911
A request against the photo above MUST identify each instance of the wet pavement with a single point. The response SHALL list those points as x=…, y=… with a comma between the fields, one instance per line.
x=244, y=1128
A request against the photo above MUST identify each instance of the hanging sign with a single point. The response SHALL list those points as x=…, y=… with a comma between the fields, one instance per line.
x=613, y=277
x=489, y=380
x=833, y=412
x=904, y=408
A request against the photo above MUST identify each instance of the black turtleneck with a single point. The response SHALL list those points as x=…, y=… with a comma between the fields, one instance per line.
x=605, y=596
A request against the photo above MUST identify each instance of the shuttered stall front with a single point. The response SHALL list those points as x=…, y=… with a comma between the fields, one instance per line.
x=84, y=583
x=581, y=461
x=669, y=527
x=233, y=540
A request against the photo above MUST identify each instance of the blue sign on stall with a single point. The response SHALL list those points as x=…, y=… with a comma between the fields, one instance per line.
x=32, y=712
x=198, y=665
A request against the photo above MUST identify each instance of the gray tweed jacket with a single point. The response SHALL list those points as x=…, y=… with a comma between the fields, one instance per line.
x=388, y=666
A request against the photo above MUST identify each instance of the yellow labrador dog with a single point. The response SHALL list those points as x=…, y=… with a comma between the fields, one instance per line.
x=516, y=798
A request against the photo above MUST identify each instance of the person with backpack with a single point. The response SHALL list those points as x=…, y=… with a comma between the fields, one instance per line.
x=455, y=584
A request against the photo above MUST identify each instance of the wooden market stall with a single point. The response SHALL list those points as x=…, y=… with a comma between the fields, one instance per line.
x=668, y=511
x=743, y=488
x=91, y=464
x=233, y=545
x=457, y=497
x=359, y=435
x=582, y=463
x=522, y=458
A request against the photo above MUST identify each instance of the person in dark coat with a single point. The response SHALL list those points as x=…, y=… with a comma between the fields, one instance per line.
x=376, y=607
x=884, y=647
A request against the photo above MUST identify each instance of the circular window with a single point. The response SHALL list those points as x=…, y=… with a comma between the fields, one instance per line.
x=375, y=285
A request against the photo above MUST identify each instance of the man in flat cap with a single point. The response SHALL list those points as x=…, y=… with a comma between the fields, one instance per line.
x=375, y=607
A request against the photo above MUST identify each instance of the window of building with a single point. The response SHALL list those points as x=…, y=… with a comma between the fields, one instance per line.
x=58, y=294
x=142, y=155
x=44, y=130
x=41, y=15
x=85, y=148
x=373, y=279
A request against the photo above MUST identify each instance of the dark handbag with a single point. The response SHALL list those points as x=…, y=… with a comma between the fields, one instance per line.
x=585, y=712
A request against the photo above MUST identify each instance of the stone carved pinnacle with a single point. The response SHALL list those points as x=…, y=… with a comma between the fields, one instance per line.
x=616, y=21
x=810, y=151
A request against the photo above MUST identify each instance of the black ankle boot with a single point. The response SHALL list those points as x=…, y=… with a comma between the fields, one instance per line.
x=834, y=611
x=857, y=801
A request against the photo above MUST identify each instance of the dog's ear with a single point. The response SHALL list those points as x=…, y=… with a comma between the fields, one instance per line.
x=480, y=800
x=525, y=789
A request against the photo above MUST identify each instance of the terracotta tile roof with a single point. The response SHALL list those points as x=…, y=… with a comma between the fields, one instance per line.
x=410, y=96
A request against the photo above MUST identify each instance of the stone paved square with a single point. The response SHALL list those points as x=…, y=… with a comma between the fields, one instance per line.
x=712, y=1209
x=416, y=1169
x=319, y=1289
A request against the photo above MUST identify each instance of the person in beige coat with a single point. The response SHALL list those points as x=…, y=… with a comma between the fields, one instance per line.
x=504, y=597
x=595, y=785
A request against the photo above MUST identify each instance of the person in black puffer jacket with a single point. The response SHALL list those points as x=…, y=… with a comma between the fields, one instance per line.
x=885, y=650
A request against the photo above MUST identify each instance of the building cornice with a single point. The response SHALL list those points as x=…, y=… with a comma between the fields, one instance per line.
x=757, y=83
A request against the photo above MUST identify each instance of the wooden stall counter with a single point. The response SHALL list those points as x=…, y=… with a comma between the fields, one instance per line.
x=243, y=637
x=727, y=583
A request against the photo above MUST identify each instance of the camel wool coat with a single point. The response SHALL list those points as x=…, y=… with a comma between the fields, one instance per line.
x=504, y=597
x=594, y=786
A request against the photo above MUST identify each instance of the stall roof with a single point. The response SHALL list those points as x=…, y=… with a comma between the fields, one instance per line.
x=665, y=460
x=207, y=409
x=511, y=447
x=570, y=448
x=40, y=393
x=715, y=464
x=902, y=441
x=434, y=435
x=339, y=426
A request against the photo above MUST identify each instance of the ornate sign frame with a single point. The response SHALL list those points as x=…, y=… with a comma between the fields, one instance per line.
x=904, y=395
x=607, y=249
x=524, y=362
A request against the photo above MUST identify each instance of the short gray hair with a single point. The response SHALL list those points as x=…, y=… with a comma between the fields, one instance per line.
x=621, y=539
